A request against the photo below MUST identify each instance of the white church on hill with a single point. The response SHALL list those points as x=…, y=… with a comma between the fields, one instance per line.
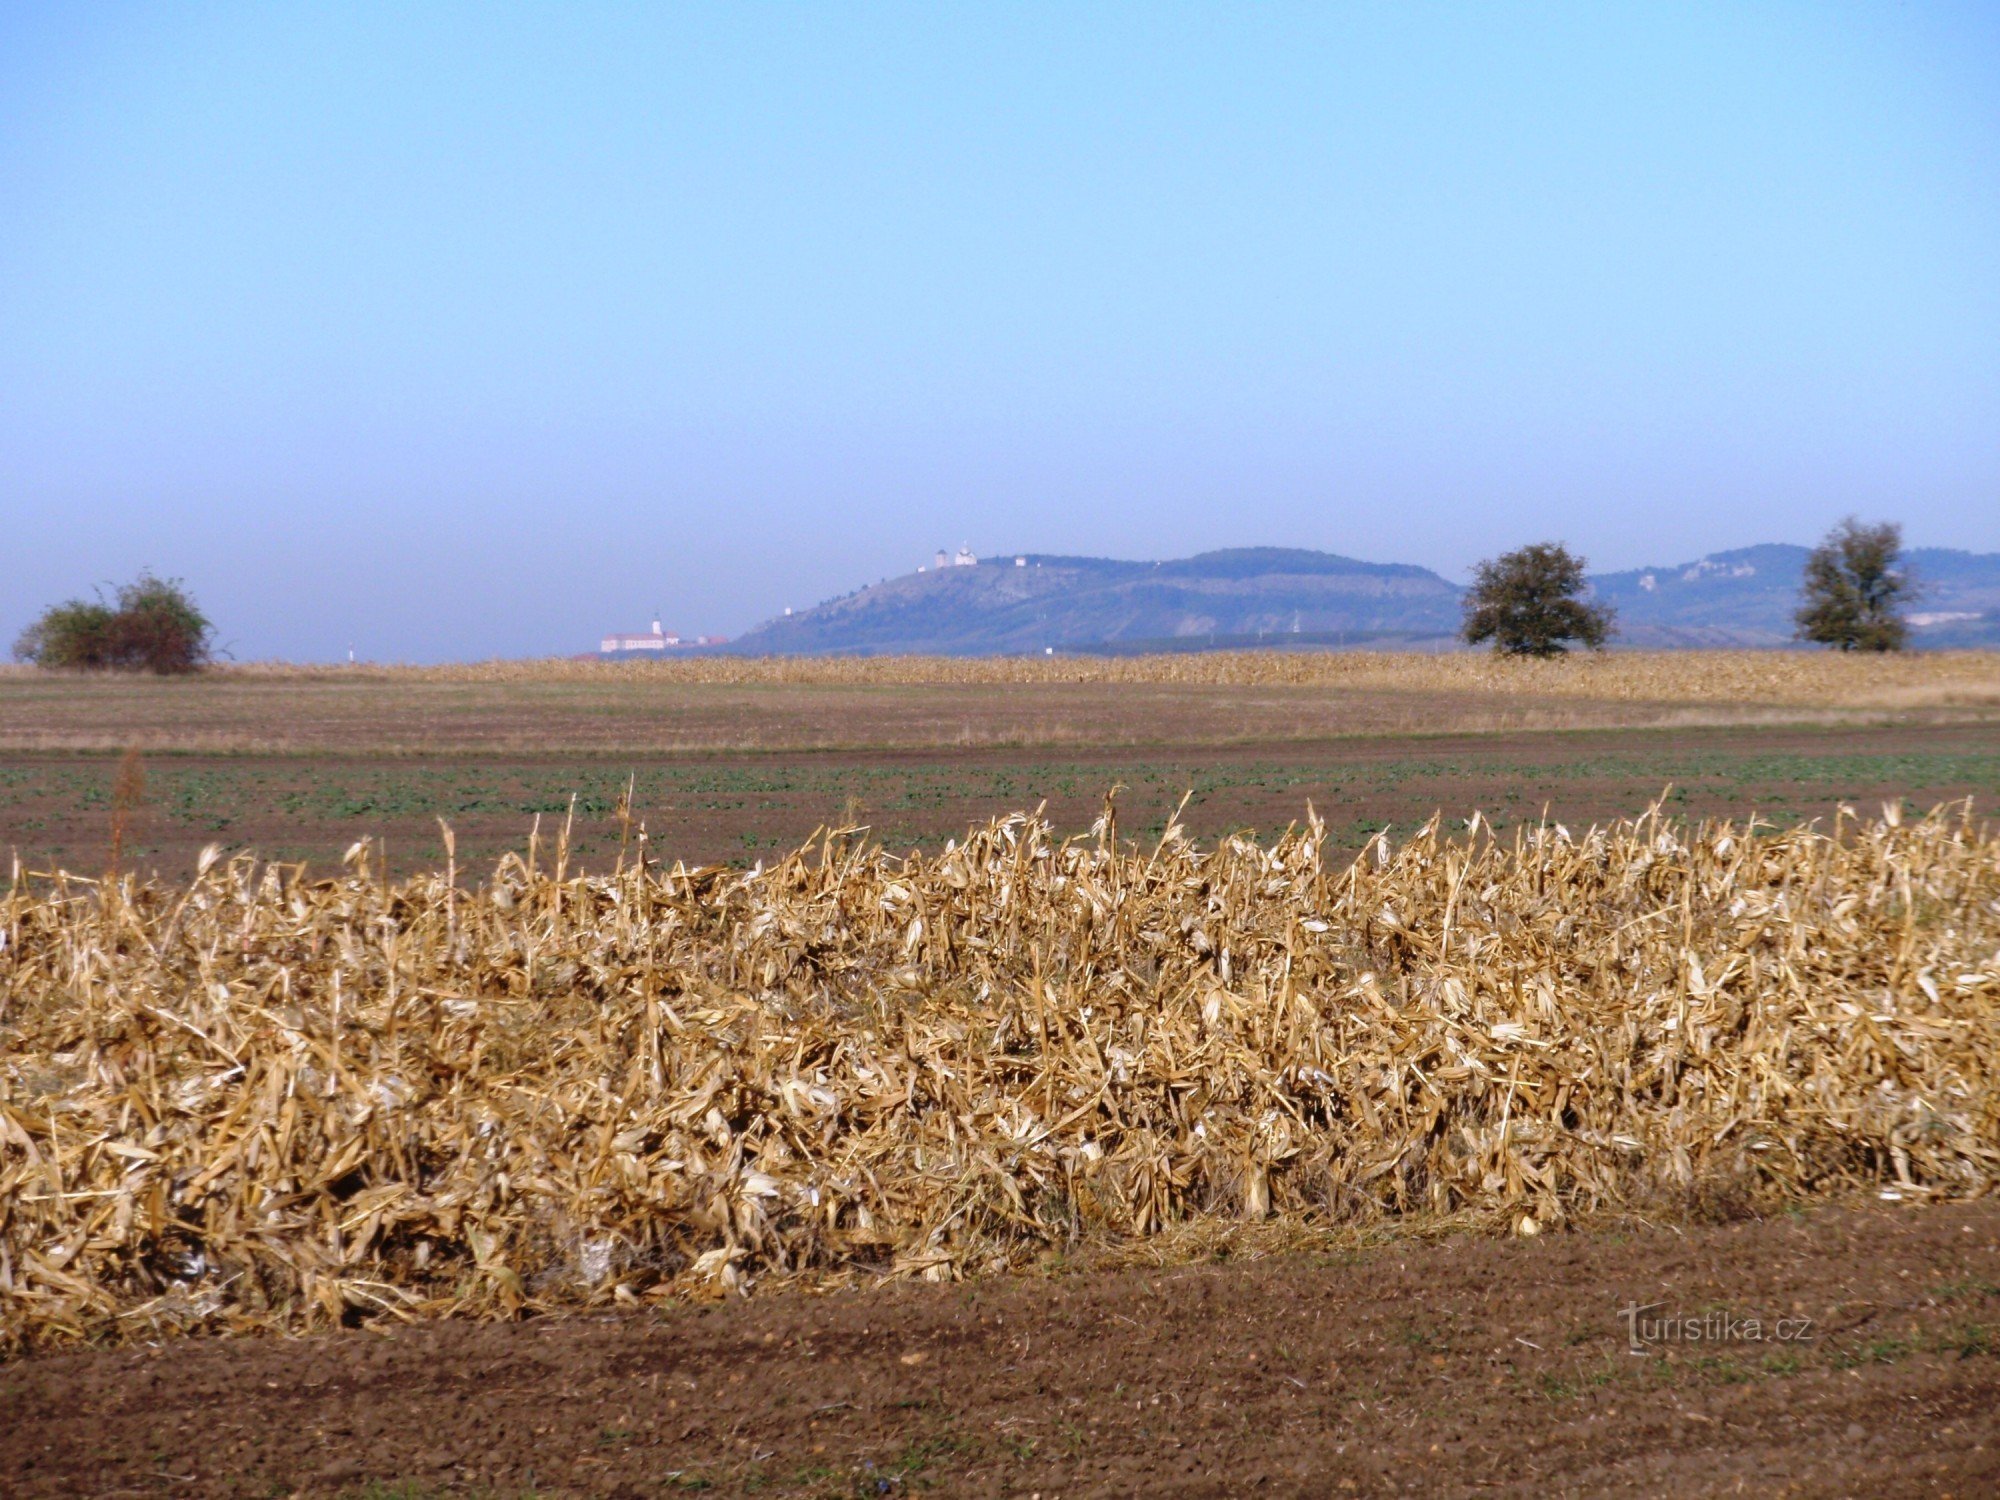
x=963, y=559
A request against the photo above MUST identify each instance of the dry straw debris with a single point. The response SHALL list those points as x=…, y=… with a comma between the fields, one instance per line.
x=268, y=1101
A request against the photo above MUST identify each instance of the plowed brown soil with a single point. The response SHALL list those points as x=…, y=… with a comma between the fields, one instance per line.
x=56, y=809
x=1468, y=1366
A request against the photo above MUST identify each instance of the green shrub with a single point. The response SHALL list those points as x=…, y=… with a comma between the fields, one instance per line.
x=74, y=634
x=154, y=627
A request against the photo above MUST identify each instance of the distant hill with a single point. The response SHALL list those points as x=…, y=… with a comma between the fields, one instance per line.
x=1037, y=601
x=1746, y=598
x=1281, y=595
x=1740, y=598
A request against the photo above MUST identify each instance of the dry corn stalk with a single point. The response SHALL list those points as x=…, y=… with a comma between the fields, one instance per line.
x=267, y=1101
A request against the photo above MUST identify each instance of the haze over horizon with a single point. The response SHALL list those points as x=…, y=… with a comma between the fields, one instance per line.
x=470, y=332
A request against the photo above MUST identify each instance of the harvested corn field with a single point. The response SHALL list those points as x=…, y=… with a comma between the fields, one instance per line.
x=262, y=1102
x=733, y=704
x=1714, y=676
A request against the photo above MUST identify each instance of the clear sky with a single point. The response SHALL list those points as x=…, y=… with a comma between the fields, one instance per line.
x=465, y=331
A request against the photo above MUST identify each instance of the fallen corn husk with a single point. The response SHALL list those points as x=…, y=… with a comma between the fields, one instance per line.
x=262, y=1101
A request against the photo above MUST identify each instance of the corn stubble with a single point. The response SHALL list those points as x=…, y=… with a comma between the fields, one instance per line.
x=1739, y=677
x=263, y=1101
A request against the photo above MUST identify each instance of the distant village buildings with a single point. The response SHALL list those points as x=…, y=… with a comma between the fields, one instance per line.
x=1709, y=565
x=656, y=639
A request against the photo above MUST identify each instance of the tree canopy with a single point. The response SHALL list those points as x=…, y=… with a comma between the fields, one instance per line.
x=1531, y=602
x=1854, y=588
x=155, y=626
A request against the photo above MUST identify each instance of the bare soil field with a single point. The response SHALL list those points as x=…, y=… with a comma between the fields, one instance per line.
x=1468, y=1366
x=730, y=761
x=586, y=708
x=56, y=809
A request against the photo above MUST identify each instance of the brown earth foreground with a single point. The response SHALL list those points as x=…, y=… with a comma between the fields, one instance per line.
x=1472, y=1365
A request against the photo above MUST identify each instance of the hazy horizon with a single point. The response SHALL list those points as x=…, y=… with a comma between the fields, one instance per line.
x=467, y=332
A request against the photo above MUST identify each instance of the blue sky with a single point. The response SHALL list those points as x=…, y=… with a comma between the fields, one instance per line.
x=470, y=331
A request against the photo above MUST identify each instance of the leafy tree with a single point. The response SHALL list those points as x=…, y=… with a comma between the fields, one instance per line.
x=155, y=627
x=76, y=633
x=1853, y=589
x=160, y=628
x=1530, y=603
